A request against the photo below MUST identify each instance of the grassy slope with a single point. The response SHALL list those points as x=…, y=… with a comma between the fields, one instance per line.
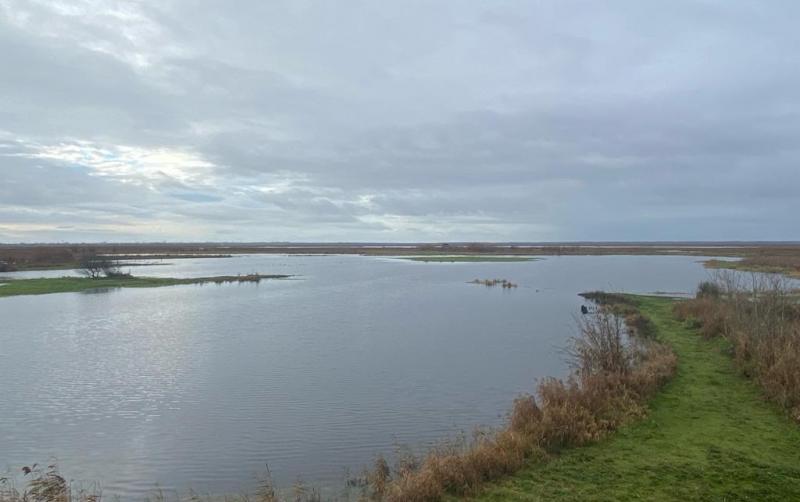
x=75, y=284
x=709, y=437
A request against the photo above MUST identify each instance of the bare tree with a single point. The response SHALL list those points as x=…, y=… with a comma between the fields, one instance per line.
x=95, y=266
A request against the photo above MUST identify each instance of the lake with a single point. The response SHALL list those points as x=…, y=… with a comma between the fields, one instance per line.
x=201, y=386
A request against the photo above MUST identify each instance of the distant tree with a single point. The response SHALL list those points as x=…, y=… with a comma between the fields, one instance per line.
x=95, y=266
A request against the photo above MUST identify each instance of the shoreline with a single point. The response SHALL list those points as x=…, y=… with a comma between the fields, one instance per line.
x=22, y=257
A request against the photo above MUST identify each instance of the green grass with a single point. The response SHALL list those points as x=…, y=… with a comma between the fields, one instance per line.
x=473, y=258
x=710, y=436
x=44, y=286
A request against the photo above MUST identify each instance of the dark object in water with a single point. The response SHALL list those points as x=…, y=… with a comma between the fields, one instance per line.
x=584, y=310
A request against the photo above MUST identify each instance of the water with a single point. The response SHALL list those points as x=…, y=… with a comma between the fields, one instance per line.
x=201, y=386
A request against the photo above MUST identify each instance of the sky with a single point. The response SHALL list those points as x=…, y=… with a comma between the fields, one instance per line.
x=305, y=120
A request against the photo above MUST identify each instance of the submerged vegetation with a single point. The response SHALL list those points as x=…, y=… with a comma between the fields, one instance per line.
x=503, y=283
x=15, y=287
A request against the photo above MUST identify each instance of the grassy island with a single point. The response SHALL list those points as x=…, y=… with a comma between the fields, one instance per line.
x=16, y=287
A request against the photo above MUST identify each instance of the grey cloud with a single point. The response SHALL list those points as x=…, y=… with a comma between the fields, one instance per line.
x=422, y=120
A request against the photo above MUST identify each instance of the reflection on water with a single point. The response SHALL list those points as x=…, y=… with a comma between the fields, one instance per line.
x=95, y=291
x=202, y=386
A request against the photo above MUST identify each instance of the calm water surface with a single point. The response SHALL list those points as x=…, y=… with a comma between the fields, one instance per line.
x=201, y=386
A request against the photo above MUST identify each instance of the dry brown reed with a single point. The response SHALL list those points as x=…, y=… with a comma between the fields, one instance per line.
x=760, y=317
x=45, y=484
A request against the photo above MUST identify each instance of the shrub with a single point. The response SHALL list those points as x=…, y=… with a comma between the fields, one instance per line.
x=761, y=321
x=708, y=289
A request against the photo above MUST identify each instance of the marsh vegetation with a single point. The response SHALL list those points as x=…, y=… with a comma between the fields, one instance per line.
x=503, y=283
x=787, y=264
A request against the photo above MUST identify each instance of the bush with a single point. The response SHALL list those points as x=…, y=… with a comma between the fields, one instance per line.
x=708, y=289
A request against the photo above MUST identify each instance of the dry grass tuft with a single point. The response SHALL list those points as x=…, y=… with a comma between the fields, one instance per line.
x=45, y=484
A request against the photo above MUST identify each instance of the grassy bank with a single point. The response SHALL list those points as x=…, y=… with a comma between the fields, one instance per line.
x=709, y=436
x=44, y=286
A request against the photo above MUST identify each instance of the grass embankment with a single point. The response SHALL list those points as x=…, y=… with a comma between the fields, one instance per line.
x=786, y=265
x=16, y=287
x=473, y=258
x=709, y=436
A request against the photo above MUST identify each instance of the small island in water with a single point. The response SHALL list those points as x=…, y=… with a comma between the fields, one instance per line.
x=43, y=286
x=503, y=283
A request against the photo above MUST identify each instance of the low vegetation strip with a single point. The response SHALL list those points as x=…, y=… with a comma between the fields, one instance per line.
x=787, y=265
x=614, y=375
x=469, y=258
x=16, y=287
x=709, y=436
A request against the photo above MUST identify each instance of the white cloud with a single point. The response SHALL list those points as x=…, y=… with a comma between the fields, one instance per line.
x=129, y=164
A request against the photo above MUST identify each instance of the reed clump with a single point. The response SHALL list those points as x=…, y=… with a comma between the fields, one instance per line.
x=759, y=316
x=503, y=283
x=614, y=372
x=46, y=484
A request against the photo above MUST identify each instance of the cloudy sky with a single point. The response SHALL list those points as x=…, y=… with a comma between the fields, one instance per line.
x=266, y=120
